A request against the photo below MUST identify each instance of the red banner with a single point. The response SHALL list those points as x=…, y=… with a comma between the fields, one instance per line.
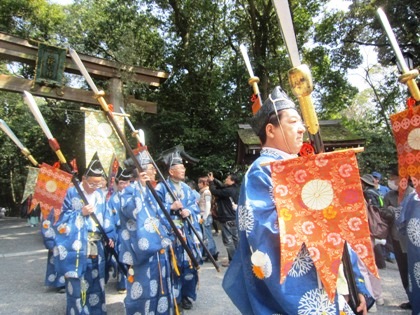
x=320, y=203
x=50, y=190
x=406, y=129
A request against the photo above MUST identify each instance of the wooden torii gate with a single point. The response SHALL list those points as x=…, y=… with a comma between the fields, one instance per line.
x=17, y=49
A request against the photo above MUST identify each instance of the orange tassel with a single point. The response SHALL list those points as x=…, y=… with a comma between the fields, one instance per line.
x=256, y=104
x=258, y=272
x=130, y=274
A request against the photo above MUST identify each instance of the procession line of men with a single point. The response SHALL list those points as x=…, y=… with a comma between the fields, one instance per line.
x=160, y=276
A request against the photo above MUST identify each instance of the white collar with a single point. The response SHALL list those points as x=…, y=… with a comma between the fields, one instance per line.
x=276, y=153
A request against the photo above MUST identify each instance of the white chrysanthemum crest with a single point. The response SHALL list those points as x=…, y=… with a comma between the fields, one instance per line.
x=316, y=301
x=245, y=218
x=413, y=231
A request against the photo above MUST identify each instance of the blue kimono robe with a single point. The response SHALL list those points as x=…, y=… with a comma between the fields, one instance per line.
x=145, y=243
x=408, y=224
x=83, y=267
x=186, y=283
x=48, y=230
x=114, y=205
x=301, y=292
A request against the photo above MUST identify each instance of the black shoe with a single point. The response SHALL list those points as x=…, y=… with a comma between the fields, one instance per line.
x=186, y=303
x=405, y=306
x=61, y=290
x=216, y=256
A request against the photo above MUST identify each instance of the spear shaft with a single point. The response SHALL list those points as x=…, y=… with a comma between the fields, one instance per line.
x=100, y=97
x=30, y=101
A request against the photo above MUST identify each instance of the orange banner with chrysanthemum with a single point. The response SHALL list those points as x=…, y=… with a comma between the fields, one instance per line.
x=50, y=189
x=406, y=129
x=320, y=203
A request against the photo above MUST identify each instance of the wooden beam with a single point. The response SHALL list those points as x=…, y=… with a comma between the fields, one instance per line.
x=14, y=84
x=17, y=49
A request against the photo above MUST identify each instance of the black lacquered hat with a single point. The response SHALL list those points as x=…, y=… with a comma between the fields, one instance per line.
x=276, y=101
x=175, y=156
x=124, y=174
x=95, y=168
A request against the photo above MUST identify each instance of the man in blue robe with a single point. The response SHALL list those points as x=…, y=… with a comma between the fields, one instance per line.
x=145, y=246
x=48, y=231
x=280, y=129
x=408, y=224
x=79, y=249
x=122, y=180
x=184, y=208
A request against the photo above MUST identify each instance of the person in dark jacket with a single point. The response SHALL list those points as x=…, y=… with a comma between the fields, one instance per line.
x=369, y=192
x=227, y=196
x=372, y=197
x=392, y=206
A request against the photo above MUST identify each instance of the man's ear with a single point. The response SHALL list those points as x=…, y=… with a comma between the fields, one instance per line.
x=269, y=130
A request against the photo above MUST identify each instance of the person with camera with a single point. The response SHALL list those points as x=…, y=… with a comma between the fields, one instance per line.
x=227, y=195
